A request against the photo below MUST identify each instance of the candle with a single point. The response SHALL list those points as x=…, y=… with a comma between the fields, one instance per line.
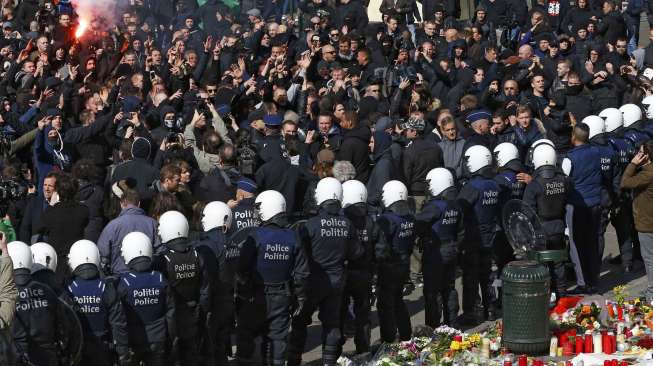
x=588, y=343
x=597, y=343
x=605, y=344
x=613, y=342
x=522, y=360
x=579, y=344
x=559, y=352
x=485, y=347
x=568, y=348
x=553, y=348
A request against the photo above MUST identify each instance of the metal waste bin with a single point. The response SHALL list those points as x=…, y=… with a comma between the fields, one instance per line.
x=525, y=302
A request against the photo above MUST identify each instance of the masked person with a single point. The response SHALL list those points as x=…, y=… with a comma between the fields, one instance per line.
x=216, y=220
x=273, y=267
x=479, y=198
x=360, y=271
x=98, y=307
x=621, y=214
x=331, y=239
x=393, y=255
x=144, y=296
x=40, y=330
x=188, y=284
x=440, y=230
x=547, y=195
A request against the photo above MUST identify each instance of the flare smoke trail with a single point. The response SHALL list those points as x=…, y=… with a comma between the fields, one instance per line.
x=91, y=9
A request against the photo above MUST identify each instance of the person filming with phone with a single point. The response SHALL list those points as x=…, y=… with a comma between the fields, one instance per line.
x=638, y=176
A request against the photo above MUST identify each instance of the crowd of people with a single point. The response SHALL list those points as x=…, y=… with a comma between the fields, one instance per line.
x=180, y=177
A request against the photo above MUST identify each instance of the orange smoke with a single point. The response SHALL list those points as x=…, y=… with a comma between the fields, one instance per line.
x=81, y=28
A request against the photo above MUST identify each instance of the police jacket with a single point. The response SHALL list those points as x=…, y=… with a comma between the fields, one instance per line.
x=511, y=188
x=211, y=248
x=188, y=284
x=40, y=315
x=273, y=255
x=547, y=194
x=624, y=152
x=439, y=223
x=636, y=135
x=369, y=235
x=479, y=198
x=397, y=225
x=609, y=163
x=585, y=176
x=144, y=296
x=329, y=239
x=244, y=215
x=98, y=307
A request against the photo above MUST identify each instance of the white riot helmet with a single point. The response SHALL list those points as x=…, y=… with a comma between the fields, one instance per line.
x=269, y=204
x=172, y=225
x=43, y=257
x=542, y=141
x=83, y=252
x=439, y=180
x=632, y=113
x=613, y=119
x=134, y=245
x=328, y=188
x=393, y=191
x=353, y=192
x=505, y=152
x=477, y=157
x=216, y=214
x=647, y=102
x=596, y=125
x=20, y=254
x=544, y=155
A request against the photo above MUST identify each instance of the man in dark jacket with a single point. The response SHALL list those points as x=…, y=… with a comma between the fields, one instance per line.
x=613, y=25
x=138, y=168
x=420, y=156
x=385, y=166
x=354, y=147
x=35, y=208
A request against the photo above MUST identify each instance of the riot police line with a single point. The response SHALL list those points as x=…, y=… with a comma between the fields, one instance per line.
x=183, y=304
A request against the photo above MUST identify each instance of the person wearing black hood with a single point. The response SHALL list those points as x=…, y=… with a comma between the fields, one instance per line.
x=385, y=166
x=168, y=124
x=354, y=146
x=138, y=168
x=98, y=307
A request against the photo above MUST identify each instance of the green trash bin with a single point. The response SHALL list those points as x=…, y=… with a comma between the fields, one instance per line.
x=525, y=299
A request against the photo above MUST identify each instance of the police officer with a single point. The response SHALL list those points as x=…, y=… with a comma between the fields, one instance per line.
x=633, y=125
x=647, y=105
x=509, y=167
x=621, y=214
x=98, y=307
x=360, y=271
x=479, y=198
x=583, y=164
x=244, y=215
x=273, y=267
x=609, y=161
x=440, y=230
x=44, y=265
x=39, y=329
x=216, y=221
x=188, y=283
x=144, y=296
x=547, y=194
x=397, y=225
x=329, y=239
x=512, y=179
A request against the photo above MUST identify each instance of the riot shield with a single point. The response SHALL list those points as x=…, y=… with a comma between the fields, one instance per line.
x=523, y=228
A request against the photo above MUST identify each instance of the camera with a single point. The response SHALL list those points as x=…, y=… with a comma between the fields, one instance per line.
x=173, y=138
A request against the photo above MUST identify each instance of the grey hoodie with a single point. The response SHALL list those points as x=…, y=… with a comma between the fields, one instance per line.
x=452, y=152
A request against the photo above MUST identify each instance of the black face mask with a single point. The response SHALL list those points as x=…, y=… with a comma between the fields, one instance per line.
x=574, y=89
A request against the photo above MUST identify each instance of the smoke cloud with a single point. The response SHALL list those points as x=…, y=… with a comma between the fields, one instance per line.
x=105, y=10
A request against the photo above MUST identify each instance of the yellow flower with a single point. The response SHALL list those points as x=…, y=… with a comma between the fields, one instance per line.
x=474, y=339
x=455, y=346
x=464, y=345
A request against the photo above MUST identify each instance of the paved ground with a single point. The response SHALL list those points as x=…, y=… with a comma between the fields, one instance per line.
x=611, y=276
